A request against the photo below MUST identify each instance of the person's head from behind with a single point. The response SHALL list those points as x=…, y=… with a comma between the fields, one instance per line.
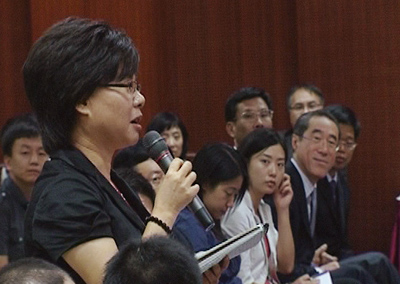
x=303, y=98
x=136, y=158
x=221, y=174
x=349, y=132
x=315, y=140
x=172, y=129
x=80, y=78
x=138, y=183
x=265, y=155
x=245, y=110
x=157, y=260
x=23, y=151
x=33, y=271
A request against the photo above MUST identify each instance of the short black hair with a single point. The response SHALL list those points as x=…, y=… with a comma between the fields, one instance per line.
x=66, y=65
x=20, y=126
x=345, y=115
x=156, y=260
x=164, y=121
x=137, y=182
x=32, y=271
x=312, y=89
x=259, y=139
x=303, y=122
x=218, y=162
x=243, y=94
x=130, y=156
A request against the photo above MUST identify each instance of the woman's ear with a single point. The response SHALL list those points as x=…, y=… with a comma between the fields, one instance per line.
x=82, y=108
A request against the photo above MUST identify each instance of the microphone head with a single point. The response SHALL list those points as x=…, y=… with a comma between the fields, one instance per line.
x=157, y=149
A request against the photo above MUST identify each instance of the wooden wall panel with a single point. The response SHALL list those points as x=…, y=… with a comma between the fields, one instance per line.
x=194, y=54
x=350, y=48
x=14, y=46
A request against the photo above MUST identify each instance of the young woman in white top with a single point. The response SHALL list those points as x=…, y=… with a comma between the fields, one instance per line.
x=265, y=156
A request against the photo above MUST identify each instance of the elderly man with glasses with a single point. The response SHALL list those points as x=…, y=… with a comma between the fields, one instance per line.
x=316, y=141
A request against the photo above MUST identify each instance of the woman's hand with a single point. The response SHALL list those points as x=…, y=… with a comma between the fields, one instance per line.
x=284, y=194
x=176, y=191
x=212, y=275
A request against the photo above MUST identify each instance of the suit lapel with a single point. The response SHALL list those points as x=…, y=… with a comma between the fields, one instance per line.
x=342, y=205
x=325, y=195
x=300, y=196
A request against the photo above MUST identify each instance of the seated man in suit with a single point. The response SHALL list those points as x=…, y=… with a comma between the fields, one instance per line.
x=247, y=109
x=315, y=141
x=333, y=190
x=300, y=99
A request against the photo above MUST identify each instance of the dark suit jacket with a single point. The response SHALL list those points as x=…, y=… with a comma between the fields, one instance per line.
x=303, y=241
x=286, y=136
x=331, y=222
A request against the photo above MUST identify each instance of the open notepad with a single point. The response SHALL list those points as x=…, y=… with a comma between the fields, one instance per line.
x=231, y=247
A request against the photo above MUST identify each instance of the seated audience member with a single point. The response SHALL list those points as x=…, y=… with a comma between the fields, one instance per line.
x=333, y=190
x=3, y=173
x=172, y=129
x=315, y=141
x=138, y=183
x=221, y=177
x=265, y=157
x=137, y=158
x=156, y=260
x=88, y=103
x=245, y=110
x=24, y=157
x=301, y=99
x=33, y=271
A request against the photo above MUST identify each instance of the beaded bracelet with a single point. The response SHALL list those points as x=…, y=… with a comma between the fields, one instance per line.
x=159, y=222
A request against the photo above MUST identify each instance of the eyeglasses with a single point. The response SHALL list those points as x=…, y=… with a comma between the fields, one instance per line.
x=350, y=146
x=132, y=86
x=252, y=116
x=332, y=144
x=311, y=106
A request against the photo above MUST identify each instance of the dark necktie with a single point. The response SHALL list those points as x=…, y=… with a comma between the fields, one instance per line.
x=312, y=210
x=332, y=185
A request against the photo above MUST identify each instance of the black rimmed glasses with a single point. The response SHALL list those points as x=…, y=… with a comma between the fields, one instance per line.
x=349, y=146
x=132, y=86
x=332, y=143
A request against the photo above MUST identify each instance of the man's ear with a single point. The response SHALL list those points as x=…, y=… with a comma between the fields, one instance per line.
x=6, y=161
x=295, y=141
x=230, y=128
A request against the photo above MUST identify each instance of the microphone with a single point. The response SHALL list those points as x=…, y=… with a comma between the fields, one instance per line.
x=159, y=152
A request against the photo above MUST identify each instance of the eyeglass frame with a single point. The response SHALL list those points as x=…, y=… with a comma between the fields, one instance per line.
x=349, y=146
x=310, y=108
x=317, y=140
x=130, y=87
x=257, y=115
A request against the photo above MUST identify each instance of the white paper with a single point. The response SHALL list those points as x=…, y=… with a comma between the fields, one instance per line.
x=324, y=278
x=231, y=247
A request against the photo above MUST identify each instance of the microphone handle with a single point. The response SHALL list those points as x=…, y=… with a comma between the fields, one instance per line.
x=200, y=211
x=196, y=206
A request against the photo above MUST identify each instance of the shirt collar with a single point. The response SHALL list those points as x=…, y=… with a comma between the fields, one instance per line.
x=308, y=185
x=334, y=177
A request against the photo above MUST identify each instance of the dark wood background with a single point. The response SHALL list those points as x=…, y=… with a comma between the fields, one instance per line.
x=194, y=54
